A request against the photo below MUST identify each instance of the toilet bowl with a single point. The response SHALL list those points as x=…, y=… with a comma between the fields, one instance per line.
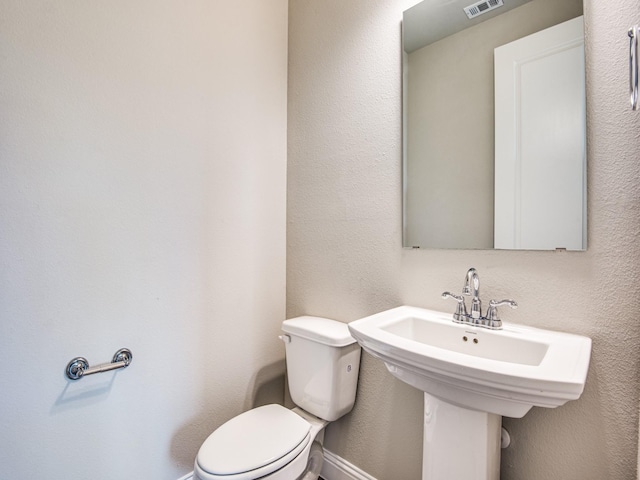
x=267, y=442
x=275, y=443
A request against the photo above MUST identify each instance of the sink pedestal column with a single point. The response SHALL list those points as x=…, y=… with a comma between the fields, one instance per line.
x=459, y=443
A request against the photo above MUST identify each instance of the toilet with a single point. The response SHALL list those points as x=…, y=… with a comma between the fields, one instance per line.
x=275, y=443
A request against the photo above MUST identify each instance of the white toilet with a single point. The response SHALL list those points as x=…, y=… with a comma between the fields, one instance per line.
x=275, y=443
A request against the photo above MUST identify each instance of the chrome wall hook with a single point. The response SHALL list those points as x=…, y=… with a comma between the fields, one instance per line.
x=79, y=366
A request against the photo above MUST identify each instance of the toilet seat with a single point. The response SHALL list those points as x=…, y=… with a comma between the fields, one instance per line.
x=253, y=444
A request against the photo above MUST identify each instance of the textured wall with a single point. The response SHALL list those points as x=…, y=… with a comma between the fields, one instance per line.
x=142, y=204
x=345, y=261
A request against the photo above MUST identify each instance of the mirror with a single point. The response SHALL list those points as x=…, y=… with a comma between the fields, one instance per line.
x=494, y=125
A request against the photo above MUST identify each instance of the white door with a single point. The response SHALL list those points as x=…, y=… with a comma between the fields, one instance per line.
x=540, y=164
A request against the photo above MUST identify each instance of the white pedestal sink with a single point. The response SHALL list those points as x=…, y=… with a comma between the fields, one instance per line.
x=471, y=378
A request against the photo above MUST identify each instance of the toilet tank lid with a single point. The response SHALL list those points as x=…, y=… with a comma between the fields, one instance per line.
x=318, y=329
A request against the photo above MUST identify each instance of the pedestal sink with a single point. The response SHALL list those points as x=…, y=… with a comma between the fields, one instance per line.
x=471, y=378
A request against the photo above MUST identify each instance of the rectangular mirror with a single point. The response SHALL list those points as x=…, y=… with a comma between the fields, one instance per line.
x=494, y=125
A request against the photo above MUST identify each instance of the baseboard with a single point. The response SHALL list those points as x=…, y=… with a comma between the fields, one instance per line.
x=337, y=468
x=333, y=468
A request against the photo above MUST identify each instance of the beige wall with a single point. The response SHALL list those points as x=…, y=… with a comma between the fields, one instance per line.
x=448, y=150
x=142, y=205
x=345, y=261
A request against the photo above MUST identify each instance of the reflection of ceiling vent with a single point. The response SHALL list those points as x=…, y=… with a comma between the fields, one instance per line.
x=479, y=8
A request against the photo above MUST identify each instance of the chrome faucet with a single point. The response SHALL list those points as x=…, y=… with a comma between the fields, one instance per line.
x=472, y=288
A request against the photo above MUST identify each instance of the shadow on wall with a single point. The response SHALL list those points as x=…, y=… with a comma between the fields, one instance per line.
x=82, y=392
x=267, y=386
x=392, y=403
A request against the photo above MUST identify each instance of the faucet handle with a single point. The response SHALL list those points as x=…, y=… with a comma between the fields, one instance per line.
x=492, y=312
x=461, y=311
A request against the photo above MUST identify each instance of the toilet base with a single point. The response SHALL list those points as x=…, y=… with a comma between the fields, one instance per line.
x=314, y=463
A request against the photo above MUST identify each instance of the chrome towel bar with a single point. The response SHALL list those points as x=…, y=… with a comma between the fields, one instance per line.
x=79, y=366
x=633, y=65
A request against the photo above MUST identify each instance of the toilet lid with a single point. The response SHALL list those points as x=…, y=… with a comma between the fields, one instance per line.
x=253, y=440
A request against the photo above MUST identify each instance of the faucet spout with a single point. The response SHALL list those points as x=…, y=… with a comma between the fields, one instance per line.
x=472, y=288
x=472, y=283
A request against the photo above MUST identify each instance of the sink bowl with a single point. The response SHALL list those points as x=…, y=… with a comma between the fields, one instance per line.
x=503, y=372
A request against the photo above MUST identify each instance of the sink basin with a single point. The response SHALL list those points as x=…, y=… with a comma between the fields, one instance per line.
x=503, y=372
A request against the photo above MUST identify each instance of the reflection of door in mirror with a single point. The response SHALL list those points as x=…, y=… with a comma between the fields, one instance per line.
x=540, y=150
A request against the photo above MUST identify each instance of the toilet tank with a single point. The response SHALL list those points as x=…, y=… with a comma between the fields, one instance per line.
x=323, y=362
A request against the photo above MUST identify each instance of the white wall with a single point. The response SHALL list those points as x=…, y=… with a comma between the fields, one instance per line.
x=345, y=261
x=142, y=205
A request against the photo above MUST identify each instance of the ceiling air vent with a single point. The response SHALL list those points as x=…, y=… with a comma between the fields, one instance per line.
x=479, y=8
